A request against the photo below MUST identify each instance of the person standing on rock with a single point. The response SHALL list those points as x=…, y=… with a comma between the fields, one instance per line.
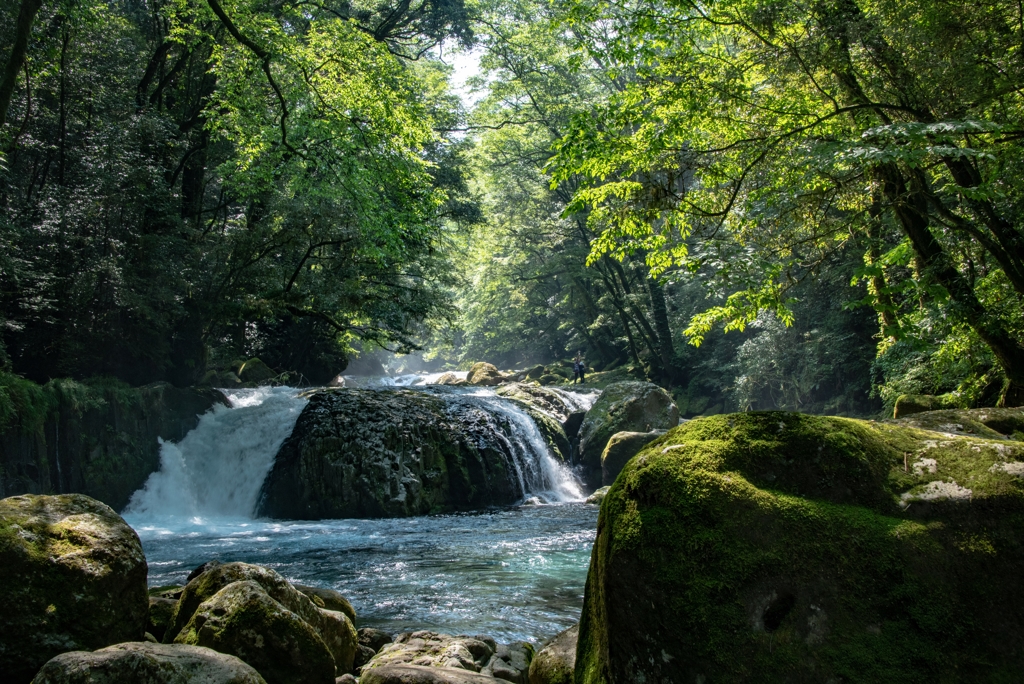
x=579, y=370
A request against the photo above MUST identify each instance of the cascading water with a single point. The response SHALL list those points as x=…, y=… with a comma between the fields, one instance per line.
x=539, y=474
x=217, y=470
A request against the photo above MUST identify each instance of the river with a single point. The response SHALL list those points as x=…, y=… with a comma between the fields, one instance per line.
x=512, y=573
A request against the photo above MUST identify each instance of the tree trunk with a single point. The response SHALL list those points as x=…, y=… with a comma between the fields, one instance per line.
x=22, y=32
x=910, y=204
x=660, y=312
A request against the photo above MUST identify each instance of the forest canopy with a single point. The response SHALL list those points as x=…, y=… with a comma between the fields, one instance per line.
x=804, y=205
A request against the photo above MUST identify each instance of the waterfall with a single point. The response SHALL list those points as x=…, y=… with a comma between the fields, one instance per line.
x=579, y=401
x=538, y=472
x=217, y=470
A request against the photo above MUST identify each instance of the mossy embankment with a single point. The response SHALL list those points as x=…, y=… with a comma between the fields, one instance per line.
x=95, y=437
x=797, y=548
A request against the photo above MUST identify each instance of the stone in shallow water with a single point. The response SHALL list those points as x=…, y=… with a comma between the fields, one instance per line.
x=145, y=663
x=374, y=638
x=74, y=578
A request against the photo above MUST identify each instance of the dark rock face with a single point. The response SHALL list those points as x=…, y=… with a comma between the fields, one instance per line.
x=622, y=407
x=144, y=663
x=74, y=578
x=622, y=447
x=808, y=549
x=357, y=453
x=99, y=441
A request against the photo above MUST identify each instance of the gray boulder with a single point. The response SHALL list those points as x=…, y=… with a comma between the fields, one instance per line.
x=419, y=674
x=508, y=662
x=145, y=663
x=74, y=578
x=620, y=448
x=556, y=661
x=622, y=407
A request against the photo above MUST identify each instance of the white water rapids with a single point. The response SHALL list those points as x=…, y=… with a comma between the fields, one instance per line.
x=217, y=471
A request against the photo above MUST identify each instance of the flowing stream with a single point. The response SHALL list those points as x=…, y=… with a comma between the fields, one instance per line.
x=513, y=573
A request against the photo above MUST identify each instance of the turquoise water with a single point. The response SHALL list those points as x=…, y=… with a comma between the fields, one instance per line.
x=511, y=574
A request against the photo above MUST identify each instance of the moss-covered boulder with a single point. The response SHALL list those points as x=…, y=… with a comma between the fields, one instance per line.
x=73, y=578
x=793, y=548
x=145, y=663
x=485, y=374
x=622, y=407
x=620, y=448
x=909, y=404
x=335, y=629
x=555, y=662
x=360, y=453
x=988, y=423
x=254, y=372
x=244, y=621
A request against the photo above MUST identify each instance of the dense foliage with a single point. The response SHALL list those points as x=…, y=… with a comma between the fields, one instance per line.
x=187, y=182
x=810, y=206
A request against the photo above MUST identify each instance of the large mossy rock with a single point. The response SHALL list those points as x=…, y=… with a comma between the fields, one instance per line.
x=145, y=663
x=620, y=448
x=73, y=578
x=789, y=548
x=556, y=661
x=243, y=620
x=622, y=407
x=334, y=628
x=485, y=374
x=909, y=404
x=360, y=453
